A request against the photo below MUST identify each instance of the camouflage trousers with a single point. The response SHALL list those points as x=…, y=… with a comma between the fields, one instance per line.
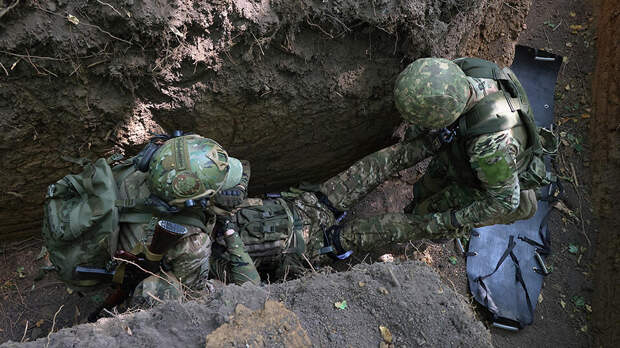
x=433, y=193
x=348, y=187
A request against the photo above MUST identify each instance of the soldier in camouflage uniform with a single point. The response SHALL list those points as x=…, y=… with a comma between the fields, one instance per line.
x=486, y=174
x=177, y=183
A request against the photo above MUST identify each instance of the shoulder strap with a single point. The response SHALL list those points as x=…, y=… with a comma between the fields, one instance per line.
x=494, y=113
x=133, y=216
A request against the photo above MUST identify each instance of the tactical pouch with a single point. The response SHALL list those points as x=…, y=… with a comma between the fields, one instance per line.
x=266, y=228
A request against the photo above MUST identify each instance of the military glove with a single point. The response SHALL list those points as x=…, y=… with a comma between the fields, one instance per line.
x=224, y=224
x=230, y=198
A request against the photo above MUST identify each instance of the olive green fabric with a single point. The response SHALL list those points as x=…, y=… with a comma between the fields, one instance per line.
x=355, y=182
x=279, y=234
x=81, y=215
x=189, y=257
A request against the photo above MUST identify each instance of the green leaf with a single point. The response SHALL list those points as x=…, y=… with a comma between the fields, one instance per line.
x=578, y=301
x=97, y=298
x=341, y=305
x=573, y=249
x=453, y=260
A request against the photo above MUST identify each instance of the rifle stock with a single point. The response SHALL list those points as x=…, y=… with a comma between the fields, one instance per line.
x=166, y=234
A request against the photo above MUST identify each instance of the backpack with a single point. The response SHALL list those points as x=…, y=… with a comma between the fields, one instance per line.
x=81, y=217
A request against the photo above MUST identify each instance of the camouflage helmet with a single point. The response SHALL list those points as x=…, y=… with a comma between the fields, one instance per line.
x=431, y=92
x=189, y=167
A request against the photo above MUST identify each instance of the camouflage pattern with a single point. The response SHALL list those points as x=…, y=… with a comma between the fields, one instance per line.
x=233, y=264
x=348, y=187
x=188, y=167
x=479, y=188
x=498, y=200
x=279, y=240
x=431, y=92
x=188, y=258
x=155, y=289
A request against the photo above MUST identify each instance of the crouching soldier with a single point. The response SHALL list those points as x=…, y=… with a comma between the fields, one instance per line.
x=124, y=221
x=182, y=179
x=486, y=172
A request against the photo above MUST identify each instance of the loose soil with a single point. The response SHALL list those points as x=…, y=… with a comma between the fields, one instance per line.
x=409, y=299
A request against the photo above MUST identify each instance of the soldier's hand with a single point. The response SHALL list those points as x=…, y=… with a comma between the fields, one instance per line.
x=230, y=198
x=224, y=226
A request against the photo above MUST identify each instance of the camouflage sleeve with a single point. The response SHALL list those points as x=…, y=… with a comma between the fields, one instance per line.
x=189, y=258
x=346, y=188
x=232, y=264
x=493, y=159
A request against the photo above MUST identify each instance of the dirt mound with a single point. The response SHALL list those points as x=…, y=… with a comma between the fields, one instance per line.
x=408, y=299
x=300, y=88
x=273, y=326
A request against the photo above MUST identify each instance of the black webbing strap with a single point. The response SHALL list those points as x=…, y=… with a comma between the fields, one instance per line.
x=508, y=251
x=480, y=280
x=519, y=278
x=545, y=247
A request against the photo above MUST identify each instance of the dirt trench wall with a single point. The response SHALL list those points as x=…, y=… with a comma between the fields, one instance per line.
x=409, y=299
x=605, y=135
x=300, y=88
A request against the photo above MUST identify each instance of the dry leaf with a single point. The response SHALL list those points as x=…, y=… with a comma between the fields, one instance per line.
x=39, y=323
x=540, y=298
x=559, y=205
x=341, y=304
x=563, y=304
x=589, y=308
x=386, y=258
x=576, y=27
x=567, y=87
x=569, y=44
x=385, y=333
x=585, y=115
x=128, y=330
x=73, y=19
x=361, y=284
x=572, y=14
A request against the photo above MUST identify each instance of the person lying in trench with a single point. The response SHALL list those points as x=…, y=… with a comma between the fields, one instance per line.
x=487, y=165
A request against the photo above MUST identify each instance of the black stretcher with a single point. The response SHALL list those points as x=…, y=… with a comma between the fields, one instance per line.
x=505, y=263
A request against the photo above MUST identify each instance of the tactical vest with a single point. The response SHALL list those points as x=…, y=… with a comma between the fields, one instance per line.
x=138, y=219
x=508, y=109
